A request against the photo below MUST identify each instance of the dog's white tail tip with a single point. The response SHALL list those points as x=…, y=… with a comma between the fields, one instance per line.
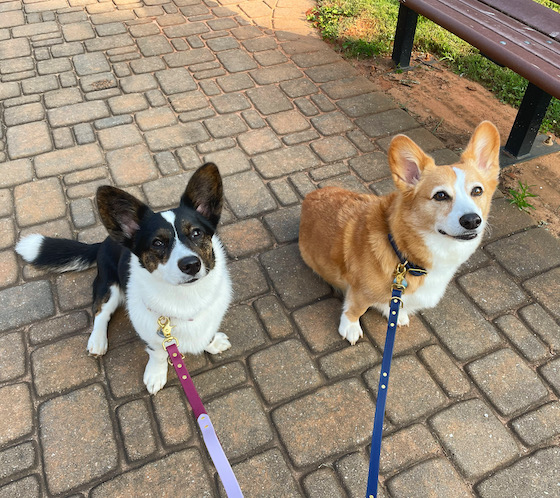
x=29, y=247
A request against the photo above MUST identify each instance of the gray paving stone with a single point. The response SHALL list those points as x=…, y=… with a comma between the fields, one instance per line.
x=235, y=82
x=540, y=425
x=16, y=412
x=172, y=137
x=26, y=304
x=332, y=123
x=108, y=42
x=269, y=99
x=284, y=223
x=16, y=47
x=14, y=359
x=294, y=282
x=155, y=118
x=66, y=96
x=474, y=437
x=333, y=149
x=245, y=332
x=134, y=422
x=323, y=482
x=188, y=58
x=543, y=324
x=173, y=416
x=90, y=63
x=258, y=141
x=330, y=72
x=69, y=115
x=351, y=359
x=536, y=475
x=248, y=280
x=266, y=474
x=54, y=328
x=545, y=288
x=247, y=195
x=240, y=422
x=188, y=101
x=236, y=61
x=146, y=65
x=225, y=126
x=272, y=314
x=461, y=327
x=276, y=74
x=551, y=373
x=28, y=139
x=313, y=439
x=447, y=374
x=119, y=162
x=507, y=381
x=434, y=476
x=16, y=460
x=386, y=123
x=220, y=379
x=65, y=161
x=182, y=470
x=154, y=45
x=284, y=161
x=524, y=339
x=175, y=80
x=15, y=172
x=288, y=122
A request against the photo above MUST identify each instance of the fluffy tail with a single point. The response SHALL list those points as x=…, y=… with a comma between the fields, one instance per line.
x=57, y=255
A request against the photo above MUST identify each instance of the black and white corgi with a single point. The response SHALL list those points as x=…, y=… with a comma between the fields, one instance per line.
x=169, y=264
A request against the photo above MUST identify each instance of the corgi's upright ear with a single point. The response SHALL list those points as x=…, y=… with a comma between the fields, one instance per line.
x=205, y=193
x=121, y=213
x=483, y=150
x=407, y=162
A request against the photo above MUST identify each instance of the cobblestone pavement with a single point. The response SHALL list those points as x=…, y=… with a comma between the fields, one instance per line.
x=138, y=94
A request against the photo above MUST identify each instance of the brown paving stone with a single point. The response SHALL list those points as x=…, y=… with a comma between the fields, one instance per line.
x=173, y=416
x=540, y=425
x=183, y=470
x=461, y=327
x=247, y=195
x=284, y=223
x=545, y=288
x=505, y=219
x=536, y=475
x=353, y=470
x=283, y=371
x=245, y=238
x=14, y=357
x=82, y=112
x=74, y=289
x=39, y=201
x=434, y=476
x=28, y=140
x=258, y=141
x=284, y=161
x=240, y=422
x=82, y=157
x=16, y=412
x=266, y=474
x=8, y=268
x=15, y=172
x=63, y=365
x=318, y=323
x=220, y=379
x=492, y=290
x=131, y=165
x=72, y=461
x=341, y=419
x=272, y=314
x=136, y=430
x=412, y=392
x=351, y=359
x=476, y=439
x=269, y=100
x=333, y=149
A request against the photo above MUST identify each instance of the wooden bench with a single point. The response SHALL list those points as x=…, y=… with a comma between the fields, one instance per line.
x=519, y=34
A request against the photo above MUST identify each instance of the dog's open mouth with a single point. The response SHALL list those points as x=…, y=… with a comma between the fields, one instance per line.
x=463, y=236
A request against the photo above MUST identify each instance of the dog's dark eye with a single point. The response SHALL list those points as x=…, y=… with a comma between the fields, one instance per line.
x=195, y=234
x=476, y=191
x=158, y=244
x=441, y=196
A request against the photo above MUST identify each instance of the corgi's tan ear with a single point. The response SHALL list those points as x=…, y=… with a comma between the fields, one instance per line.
x=484, y=149
x=407, y=161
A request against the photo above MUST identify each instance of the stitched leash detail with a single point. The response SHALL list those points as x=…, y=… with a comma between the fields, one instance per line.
x=215, y=450
x=398, y=287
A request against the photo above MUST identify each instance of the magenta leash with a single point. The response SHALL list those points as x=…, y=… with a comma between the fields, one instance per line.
x=211, y=441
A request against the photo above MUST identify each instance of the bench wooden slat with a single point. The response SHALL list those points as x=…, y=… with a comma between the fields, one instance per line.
x=465, y=19
x=532, y=14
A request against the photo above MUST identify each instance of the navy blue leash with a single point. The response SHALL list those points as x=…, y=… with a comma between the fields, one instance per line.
x=399, y=285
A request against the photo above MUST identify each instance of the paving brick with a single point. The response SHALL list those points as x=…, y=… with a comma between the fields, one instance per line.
x=276, y=74
x=68, y=160
x=323, y=482
x=173, y=416
x=434, y=476
x=63, y=138
x=134, y=422
x=28, y=140
x=492, y=290
x=16, y=47
x=524, y=339
x=536, y=475
x=175, y=80
x=332, y=123
x=120, y=161
x=318, y=323
x=69, y=115
x=8, y=268
x=461, y=327
x=16, y=460
x=235, y=82
x=185, y=30
x=188, y=101
x=244, y=330
x=269, y=99
x=265, y=475
x=540, y=425
x=225, y=126
x=334, y=149
x=353, y=470
x=248, y=280
x=119, y=137
x=240, y=422
x=446, y=373
x=175, y=136
x=24, y=114
x=543, y=324
x=283, y=192
x=313, y=439
x=138, y=83
x=9, y=90
x=474, y=437
x=545, y=288
x=39, y=201
x=284, y=161
x=507, y=381
x=108, y=42
x=15, y=172
x=236, y=61
x=245, y=238
x=222, y=43
x=28, y=487
x=273, y=316
x=11, y=19
x=247, y=195
x=50, y=366
x=371, y=167
x=183, y=470
x=189, y=58
x=351, y=359
x=19, y=65
x=412, y=392
x=154, y=45
x=220, y=379
x=551, y=373
x=74, y=289
x=77, y=31
x=124, y=366
x=330, y=72
x=58, y=327
x=16, y=412
x=13, y=352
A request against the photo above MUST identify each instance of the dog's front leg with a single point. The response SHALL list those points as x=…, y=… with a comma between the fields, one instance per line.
x=155, y=374
x=354, y=307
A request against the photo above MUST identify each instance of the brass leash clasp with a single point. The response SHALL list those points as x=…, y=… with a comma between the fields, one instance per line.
x=165, y=327
x=399, y=280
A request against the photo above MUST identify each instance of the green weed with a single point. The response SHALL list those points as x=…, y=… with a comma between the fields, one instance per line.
x=519, y=197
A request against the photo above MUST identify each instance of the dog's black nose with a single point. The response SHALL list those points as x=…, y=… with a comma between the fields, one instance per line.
x=470, y=221
x=189, y=265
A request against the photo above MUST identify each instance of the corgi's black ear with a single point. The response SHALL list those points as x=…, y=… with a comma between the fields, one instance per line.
x=121, y=213
x=205, y=193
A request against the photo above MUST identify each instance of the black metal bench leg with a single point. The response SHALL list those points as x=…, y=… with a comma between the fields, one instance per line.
x=527, y=122
x=404, y=36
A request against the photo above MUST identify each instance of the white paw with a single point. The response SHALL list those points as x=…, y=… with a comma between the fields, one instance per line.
x=403, y=320
x=351, y=331
x=97, y=343
x=155, y=375
x=219, y=344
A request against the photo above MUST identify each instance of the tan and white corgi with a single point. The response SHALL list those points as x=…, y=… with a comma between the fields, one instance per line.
x=436, y=218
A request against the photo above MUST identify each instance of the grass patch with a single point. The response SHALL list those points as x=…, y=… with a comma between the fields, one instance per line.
x=366, y=28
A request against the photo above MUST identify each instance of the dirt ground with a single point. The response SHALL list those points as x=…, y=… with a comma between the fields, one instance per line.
x=451, y=107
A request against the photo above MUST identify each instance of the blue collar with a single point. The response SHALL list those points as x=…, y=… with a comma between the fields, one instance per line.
x=411, y=268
